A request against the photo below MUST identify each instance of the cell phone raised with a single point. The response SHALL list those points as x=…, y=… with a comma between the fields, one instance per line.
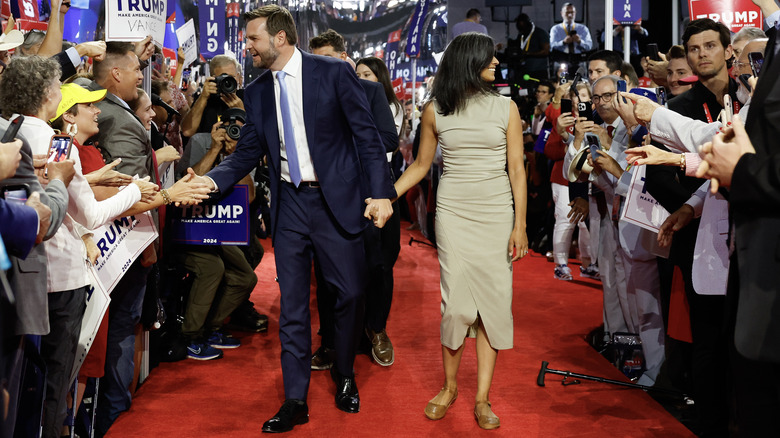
x=584, y=109
x=17, y=194
x=594, y=144
x=660, y=94
x=621, y=88
x=756, y=61
x=59, y=148
x=566, y=106
x=652, y=51
x=728, y=110
x=12, y=130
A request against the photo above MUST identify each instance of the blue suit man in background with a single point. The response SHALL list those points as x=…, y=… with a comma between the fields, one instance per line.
x=309, y=116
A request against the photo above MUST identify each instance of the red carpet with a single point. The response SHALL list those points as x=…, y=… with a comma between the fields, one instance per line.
x=232, y=397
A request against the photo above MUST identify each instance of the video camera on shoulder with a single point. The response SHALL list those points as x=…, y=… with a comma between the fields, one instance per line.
x=226, y=84
x=230, y=119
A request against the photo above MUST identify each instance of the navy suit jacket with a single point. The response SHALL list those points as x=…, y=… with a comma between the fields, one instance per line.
x=344, y=143
x=19, y=228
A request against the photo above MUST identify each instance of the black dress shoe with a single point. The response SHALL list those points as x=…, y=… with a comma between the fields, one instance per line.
x=292, y=413
x=347, y=398
x=322, y=359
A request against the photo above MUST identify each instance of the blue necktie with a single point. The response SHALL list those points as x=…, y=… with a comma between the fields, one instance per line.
x=289, y=133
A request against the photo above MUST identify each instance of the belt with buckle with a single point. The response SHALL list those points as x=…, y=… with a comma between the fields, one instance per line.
x=306, y=184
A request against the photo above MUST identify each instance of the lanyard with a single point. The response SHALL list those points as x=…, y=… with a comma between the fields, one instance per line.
x=525, y=41
x=707, y=113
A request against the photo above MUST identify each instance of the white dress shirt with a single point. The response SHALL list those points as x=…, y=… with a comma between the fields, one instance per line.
x=294, y=82
x=65, y=251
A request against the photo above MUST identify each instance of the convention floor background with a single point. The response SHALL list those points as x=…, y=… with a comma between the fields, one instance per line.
x=232, y=397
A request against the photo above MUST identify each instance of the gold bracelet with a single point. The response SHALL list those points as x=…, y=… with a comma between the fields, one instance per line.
x=166, y=197
x=682, y=162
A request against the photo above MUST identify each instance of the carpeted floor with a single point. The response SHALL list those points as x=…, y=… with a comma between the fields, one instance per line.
x=232, y=397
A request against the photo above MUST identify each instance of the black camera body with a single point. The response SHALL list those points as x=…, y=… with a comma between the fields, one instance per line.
x=230, y=119
x=226, y=84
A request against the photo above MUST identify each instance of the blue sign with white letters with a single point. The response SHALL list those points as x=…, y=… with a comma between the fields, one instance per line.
x=223, y=223
x=414, y=41
x=627, y=11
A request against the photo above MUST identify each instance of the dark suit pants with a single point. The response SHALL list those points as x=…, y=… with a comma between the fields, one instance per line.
x=382, y=247
x=58, y=349
x=223, y=280
x=305, y=227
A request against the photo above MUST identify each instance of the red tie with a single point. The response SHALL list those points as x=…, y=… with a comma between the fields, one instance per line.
x=610, y=131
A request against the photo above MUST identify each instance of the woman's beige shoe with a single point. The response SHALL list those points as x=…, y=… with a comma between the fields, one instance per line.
x=485, y=416
x=437, y=412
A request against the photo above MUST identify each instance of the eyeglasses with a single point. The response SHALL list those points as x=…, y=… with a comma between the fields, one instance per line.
x=739, y=65
x=606, y=97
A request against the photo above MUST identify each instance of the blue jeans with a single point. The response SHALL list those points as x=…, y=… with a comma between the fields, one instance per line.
x=124, y=314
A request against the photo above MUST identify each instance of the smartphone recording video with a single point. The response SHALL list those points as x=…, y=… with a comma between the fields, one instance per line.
x=59, y=148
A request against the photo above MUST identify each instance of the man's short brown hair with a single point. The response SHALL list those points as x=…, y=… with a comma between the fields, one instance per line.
x=328, y=38
x=278, y=18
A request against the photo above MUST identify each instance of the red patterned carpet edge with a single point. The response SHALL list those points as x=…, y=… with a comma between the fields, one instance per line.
x=232, y=397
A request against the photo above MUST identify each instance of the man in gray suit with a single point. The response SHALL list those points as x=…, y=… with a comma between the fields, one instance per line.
x=122, y=135
x=29, y=274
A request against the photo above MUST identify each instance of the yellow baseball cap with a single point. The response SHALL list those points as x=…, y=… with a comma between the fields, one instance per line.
x=73, y=94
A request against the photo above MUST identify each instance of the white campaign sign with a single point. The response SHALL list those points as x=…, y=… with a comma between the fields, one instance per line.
x=187, y=41
x=133, y=20
x=641, y=208
x=166, y=175
x=120, y=243
x=97, y=304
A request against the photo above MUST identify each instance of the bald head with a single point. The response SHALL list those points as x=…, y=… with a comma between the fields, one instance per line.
x=743, y=63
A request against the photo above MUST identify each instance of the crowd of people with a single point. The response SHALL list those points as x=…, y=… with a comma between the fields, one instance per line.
x=503, y=175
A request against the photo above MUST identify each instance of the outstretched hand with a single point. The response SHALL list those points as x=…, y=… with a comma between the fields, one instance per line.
x=107, y=176
x=720, y=157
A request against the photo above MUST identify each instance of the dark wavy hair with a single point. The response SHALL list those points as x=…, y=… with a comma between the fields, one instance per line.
x=378, y=67
x=25, y=82
x=458, y=77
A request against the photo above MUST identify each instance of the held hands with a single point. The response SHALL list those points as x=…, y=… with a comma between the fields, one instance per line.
x=720, y=157
x=186, y=191
x=518, y=244
x=675, y=222
x=108, y=177
x=9, y=158
x=378, y=210
x=44, y=215
x=202, y=182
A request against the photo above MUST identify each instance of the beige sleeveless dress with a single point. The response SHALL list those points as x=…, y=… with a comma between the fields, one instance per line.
x=474, y=221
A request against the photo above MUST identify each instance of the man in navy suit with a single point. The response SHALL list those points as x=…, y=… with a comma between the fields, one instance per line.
x=309, y=116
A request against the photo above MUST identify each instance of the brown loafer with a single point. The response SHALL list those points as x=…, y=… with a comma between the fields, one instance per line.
x=381, y=347
x=437, y=412
x=486, y=420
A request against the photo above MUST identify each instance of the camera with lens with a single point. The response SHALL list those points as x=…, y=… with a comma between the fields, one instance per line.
x=226, y=84
x=230, y=119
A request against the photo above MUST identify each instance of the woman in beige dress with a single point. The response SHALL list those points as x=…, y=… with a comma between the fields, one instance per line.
x=480, y=212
